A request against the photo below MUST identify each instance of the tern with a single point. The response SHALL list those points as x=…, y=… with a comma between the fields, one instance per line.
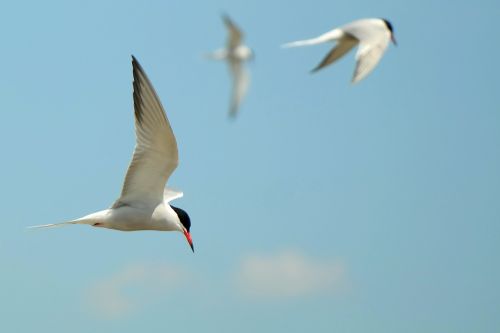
x=372, y=35
x=236, y=54
x=144, y=203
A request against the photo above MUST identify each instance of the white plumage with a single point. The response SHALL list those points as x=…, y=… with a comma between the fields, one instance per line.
x=144, y=201
x=235, y=54
x=372, y=36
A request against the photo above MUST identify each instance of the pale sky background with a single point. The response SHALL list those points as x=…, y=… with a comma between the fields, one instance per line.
x=324, y=207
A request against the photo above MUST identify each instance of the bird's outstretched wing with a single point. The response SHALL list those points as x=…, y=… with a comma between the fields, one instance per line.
x=241, y=80
x=373, y=41
x=344, y=45
x=368, y=56
x=235, y=35
x=155, y=156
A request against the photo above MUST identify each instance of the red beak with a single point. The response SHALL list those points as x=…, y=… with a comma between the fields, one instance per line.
x=189, y=239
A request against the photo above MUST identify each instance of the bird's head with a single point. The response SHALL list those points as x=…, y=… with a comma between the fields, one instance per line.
x=391, y=29
x=186, y=224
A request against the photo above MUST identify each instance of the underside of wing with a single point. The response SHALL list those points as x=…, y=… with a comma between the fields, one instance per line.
x=368, y=56
x=235, y=34
x=344, y=45
x=155, y=156
x=241, y=80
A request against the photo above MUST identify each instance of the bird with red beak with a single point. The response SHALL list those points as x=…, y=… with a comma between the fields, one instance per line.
x=144, y=203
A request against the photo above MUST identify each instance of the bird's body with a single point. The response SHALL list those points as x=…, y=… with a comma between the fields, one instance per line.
x=235, y=54
x=160, y=217
x=372, y=35
x=241, y=53
x=144, y=203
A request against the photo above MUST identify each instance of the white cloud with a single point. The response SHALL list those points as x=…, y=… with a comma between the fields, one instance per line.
x=131, y=288
x=281, y=275
x=288, y=274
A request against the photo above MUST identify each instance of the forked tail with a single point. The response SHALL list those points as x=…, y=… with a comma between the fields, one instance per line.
x=91, y=219
x=50, y=225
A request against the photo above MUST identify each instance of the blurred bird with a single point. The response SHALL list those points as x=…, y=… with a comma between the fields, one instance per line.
x=372, y=35
x=236, y=54
x=144, y=203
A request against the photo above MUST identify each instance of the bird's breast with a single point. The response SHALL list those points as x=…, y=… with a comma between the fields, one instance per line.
x=128, y=218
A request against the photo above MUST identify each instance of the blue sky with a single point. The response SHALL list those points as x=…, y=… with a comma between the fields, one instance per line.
x=323, y=206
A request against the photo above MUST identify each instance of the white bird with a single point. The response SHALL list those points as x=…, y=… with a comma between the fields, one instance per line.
x=144, y=203
x=236, y=54
x=372, y=35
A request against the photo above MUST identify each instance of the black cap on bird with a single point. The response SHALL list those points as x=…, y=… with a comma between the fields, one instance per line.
x=186, y=223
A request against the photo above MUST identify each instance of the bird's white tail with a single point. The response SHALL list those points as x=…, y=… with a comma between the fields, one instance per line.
x=219, y=54
x=326, y=37
x=93, y=219
x=50, y=225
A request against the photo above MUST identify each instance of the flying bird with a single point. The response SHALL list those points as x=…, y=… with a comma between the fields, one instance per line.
x=235, y=54
x=144, y=203
x=372, y=35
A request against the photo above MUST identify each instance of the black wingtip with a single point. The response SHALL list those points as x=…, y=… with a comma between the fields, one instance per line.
x=228, y=21
x=136, y=66
x=225, y=17
x=233, y=111
x=315, y=70
x=136, y=69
